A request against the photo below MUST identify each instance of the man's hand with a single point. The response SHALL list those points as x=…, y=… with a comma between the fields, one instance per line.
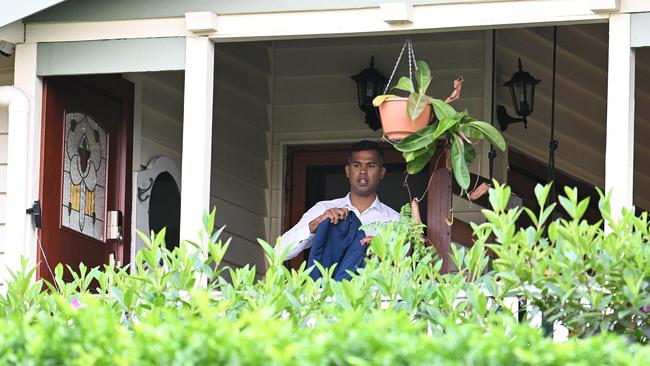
x=366, y=240
x=334, y=214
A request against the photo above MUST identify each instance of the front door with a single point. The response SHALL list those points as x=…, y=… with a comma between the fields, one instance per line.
x=85, y=171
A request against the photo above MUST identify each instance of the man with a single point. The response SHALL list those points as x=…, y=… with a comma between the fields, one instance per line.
x=364, y=170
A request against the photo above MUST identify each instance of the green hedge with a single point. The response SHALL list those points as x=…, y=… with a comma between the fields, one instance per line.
x=94, y=335
x=399, y=310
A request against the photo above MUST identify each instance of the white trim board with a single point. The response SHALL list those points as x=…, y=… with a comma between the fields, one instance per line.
x=333, y=23
x=113, y=56
x=640, y=29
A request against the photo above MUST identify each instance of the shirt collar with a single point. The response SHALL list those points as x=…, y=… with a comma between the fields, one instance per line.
x=347, y=203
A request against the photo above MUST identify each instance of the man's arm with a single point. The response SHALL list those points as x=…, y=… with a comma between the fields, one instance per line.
x=300, y=236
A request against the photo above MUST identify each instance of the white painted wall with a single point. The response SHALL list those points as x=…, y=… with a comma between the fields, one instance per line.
x=239, y=181
x=580, y=103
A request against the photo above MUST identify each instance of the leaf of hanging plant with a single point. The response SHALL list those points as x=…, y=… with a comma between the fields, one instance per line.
x=444, y=125
x=442, y=109
x=416, y=141
x=405, y=84
x=470, y=132
x=416, y=104
x=458, y=164
x=421, y=161
x=490, y=133
x=411, y=155
x=470, y=153
x=422, y=76
x=381, y=98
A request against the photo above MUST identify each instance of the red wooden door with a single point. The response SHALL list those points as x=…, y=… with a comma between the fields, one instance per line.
x=85, y=171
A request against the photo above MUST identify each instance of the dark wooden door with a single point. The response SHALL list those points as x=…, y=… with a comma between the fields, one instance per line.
x=85, y=171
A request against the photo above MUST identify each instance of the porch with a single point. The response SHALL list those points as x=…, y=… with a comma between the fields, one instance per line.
x=227, y=112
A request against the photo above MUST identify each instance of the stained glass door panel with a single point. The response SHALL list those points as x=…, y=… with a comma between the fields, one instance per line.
x=84, y=175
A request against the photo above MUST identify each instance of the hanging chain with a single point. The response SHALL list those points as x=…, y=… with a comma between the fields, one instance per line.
x=411, y=59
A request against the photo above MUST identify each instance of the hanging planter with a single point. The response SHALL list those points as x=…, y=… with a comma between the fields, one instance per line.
x=395, y=121
x=415, y=138
x=403, y=116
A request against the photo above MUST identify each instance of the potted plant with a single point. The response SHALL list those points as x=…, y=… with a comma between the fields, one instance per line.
x=458, y=130
x=397, y=124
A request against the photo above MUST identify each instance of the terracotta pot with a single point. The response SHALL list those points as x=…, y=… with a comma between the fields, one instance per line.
x=395, y=120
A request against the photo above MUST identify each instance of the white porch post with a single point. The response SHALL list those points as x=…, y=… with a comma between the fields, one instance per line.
x=197, y=134
x=619, y=153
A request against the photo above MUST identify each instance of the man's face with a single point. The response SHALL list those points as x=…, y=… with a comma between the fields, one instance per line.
x=364, y=172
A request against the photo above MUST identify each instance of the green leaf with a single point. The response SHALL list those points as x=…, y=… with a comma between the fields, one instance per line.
x=568, y=206
x=469, y=132
x=531, y=215
x=461, y=173
x=442, y=109
x=470, y=153
x=444, y=125
x=582, y=208
x=411, y=155
x=416, y=105
x=382, y=98
x=405, y=84
x=422, y=76
x=421, y=161
x=416, y=141
x=541, y=193
x=490, y=133
x=547, y=212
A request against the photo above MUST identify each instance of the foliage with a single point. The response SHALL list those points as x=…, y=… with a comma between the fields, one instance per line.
x=592, y=278
x=458, y=130
x=176, y=307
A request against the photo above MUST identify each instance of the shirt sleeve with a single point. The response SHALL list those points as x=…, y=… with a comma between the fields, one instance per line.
x=299, y=238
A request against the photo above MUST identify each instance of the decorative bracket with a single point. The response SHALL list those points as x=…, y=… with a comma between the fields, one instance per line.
x=605, y=6
x=201, y=22
x=396, y=13
x=143, y=191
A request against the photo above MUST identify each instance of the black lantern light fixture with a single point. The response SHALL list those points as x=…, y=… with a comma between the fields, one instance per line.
x=370, y=83
x=522, y=89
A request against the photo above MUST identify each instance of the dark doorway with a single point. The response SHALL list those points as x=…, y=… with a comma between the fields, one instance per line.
x=165, y=209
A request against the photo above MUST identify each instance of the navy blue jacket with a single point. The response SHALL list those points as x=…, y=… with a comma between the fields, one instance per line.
x=340, y=243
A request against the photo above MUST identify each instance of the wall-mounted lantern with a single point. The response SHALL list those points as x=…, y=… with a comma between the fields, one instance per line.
x=370, y=83
x=522, y=90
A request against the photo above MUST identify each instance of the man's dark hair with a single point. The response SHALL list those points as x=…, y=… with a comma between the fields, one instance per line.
x=365, y=145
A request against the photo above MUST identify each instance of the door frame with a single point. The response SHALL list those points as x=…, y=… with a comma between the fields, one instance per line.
x=120, y=89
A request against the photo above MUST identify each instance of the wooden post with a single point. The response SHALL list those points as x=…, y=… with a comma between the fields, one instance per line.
x=439, y=206
x=197, y=135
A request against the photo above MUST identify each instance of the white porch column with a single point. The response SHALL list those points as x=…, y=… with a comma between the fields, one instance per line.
x=23, y=163
x=619, y=153
x=197, y=134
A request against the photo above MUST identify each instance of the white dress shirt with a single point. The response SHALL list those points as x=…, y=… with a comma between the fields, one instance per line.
x=300, y=238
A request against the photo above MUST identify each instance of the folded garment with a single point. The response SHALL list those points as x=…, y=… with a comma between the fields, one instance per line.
x=340, y=243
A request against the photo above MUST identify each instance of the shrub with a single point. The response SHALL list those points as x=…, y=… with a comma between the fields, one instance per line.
x=399, y=309
x=592, y=278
